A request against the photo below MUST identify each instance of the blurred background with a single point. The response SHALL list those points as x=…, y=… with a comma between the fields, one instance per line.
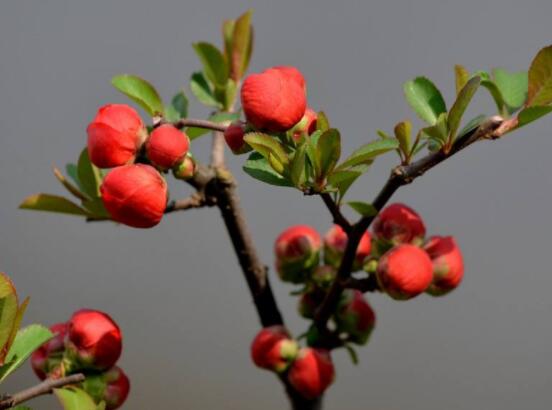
x=176, y=290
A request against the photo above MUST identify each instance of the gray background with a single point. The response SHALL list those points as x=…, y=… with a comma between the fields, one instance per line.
x=176, y=290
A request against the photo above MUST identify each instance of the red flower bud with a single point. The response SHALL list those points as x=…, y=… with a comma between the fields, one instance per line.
x=234, y=138
x=135, y=195
x=116, y=389
x=405, y=271
x=115, y=135
x=186, y=169
x=309, y=302
x=47, y=356
x=297, y=253
x=95, y=340
x=448, y=264
x=399, y=224
x=312, y=372
x=167, y=146
x=335, y=242
x=355, y=316
x=275, y=99
x=272, y=349
x=306, y=125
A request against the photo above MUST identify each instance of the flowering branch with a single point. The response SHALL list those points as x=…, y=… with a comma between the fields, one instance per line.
x=401, y=175
x=45, y=387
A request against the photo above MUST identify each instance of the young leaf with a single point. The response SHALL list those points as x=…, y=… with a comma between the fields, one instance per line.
x=530, y=114
x=89, y=175
x=213, y=62
x=368, y=152
x=322, y=121
x=69, y=186
x=8, y=312
x=461, y=76
x=342, y=179
x=266, y=146
x=202, y=91
x=258, y=167
x=72, y=398
x=472, y=124
x=403, y=132
x=140, y=91
x=328, y=148
x=438, y=133
x=459, y=107
x=496, y=94
x=297, y=167
x=513, y=87
x=363, y=208
x=540, y=79
x=230, y=93
x=242, y=45
x=227, y=34
x=52, y=203
x=178, y=108
x=72, y=171
x=26, y=342
x=425, y=99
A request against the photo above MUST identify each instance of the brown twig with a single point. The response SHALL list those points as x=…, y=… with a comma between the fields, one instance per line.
x=45, y=387
x=196, y=200
x=338, y=217
x=404, y=174
x=206, y=124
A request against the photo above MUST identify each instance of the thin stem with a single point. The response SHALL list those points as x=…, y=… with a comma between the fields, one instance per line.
x=206, y=124
x=195, y=200
x=45, y=387
x=338, y=217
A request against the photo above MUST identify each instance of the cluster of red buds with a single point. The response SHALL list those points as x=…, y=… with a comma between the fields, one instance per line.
x=133, y=193
x=308, y=370
x=396, y=256
x=274, y=101
x=90, y=343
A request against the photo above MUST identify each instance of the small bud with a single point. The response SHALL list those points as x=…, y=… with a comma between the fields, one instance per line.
x=234, y=138
x=448, y=264
x=135, y=195
x=48, y=356
x=297, y=253
x=167, y=146
x=335, y=242
x=405, y=271
x=355, y=316
x=398, y=223
x=117, y=388
x=186, y=169
x=274, y=100
x=94, y=339
x=312, y=372
x=115, y=135
x=272, y=349
x=323, y=276
x=309, y=302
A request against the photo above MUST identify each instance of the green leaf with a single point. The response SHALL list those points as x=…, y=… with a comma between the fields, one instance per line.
x=69, y=186
x=540, y=79
x=242, y=45
x=25, y=343
x=513, y=87
x=202, y=91
x=178, y=108
x=461, y=104
x=72, y=171
x=8, y=312
x=438, y=133
x=461, y=76
x=472, y=124
x=230, y=93
x=342, y=179
x=322, y=121
x=425, y=99
x=258, y=167
x=530, y=114
x=328, y=148
x=21, y=408
x=72, y=398
x=496, y=94
x=227, y=34
x=52, y=203
x=140, y=91
x=297, y=168
x=267, y=145
x=363, y=208
x=368, y=152
x=94, y=385
x=403, y=133
x=220, y=117
x=96, y=209
x=213, y=62
x=89, y=175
